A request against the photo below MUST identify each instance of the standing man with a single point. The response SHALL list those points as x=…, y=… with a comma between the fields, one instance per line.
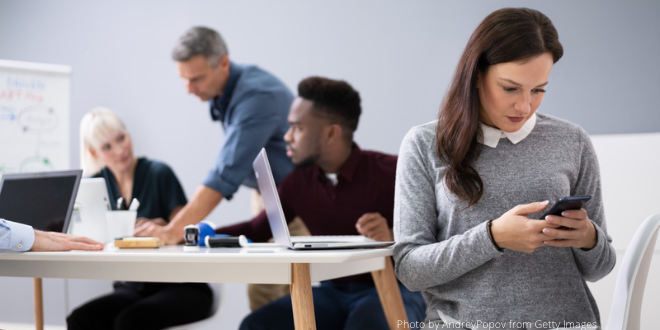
x=250, y=104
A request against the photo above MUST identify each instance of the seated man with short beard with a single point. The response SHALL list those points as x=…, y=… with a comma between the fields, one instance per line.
x=337, y=189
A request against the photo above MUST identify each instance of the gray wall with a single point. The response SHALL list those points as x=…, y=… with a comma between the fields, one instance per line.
x=399, y=54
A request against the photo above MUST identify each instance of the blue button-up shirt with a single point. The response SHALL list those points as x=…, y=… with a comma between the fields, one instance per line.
x=253, y=110
x=15, y=236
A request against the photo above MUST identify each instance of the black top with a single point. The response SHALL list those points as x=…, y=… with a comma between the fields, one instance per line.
x=159, y=191
x=154, y=184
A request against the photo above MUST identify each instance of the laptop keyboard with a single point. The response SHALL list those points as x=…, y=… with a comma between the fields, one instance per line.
x=331, y=239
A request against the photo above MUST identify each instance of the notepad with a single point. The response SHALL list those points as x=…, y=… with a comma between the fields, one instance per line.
x=138, y=243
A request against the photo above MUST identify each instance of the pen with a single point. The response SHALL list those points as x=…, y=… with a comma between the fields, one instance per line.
x=134, y=205
x=120, y=203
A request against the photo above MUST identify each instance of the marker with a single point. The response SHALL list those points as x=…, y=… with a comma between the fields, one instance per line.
x=120, y=203
x=134, y=205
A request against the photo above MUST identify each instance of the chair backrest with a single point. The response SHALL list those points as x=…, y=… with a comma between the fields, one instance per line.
x=629, y=289
x=216, y=309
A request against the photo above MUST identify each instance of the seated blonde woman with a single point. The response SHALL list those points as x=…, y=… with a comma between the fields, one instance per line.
x=107, y=152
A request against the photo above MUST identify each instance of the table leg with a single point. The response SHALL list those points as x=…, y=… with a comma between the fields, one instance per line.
x=38, y=304
x=390, y=296
x=301, y=298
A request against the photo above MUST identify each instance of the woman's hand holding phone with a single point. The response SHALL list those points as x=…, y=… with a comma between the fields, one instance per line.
x=514, y=231
x=579, y=232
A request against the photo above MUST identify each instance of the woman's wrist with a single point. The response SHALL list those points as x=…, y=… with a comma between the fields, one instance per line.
x=594, y=240
x=489, y=228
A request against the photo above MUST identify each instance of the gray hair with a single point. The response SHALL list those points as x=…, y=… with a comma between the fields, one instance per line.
x=200, y=40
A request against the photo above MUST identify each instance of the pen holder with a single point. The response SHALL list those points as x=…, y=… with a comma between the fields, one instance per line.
x=120, y=223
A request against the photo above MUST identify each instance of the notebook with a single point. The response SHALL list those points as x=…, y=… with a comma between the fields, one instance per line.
x=43, y=200
x=277, y=220
x=92, y=202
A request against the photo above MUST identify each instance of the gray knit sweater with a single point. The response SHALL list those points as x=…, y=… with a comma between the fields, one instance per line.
x=447, y=254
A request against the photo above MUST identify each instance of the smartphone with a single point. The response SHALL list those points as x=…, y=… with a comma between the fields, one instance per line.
x=567, y=203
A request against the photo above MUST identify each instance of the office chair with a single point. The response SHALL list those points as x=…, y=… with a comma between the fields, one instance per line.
x=216, y=309
x=630, y=282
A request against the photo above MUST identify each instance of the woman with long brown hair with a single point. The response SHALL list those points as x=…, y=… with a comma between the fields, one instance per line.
x=470, y=189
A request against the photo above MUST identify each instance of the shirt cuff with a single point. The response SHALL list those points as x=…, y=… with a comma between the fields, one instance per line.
x=601, y=242
x=22, y=237
x=485, y=244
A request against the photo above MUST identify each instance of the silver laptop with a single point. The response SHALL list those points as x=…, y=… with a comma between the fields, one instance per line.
x=277, y=220
x=43, y=200
x=91, y=204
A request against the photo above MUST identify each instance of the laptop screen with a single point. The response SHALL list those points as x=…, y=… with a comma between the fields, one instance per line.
x=271, y=198
x=41, y=200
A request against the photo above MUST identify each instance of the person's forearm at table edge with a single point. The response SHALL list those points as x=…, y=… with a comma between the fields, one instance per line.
x=199, y=207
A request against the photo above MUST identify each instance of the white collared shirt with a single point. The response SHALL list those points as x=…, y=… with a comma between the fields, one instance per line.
x=492, y=135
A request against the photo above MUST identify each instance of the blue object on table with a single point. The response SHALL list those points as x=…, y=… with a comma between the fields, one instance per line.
x=205, y=229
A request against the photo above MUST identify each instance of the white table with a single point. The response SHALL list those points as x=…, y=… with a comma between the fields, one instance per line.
x=229, y=265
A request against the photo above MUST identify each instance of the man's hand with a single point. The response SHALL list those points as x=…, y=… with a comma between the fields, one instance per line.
x=52, y=241
x=374, y=226
x=199, y=206
x=166, y=233
x=143, y=220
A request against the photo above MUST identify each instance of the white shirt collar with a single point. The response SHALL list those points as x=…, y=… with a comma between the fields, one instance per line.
x=333, y=178
x=492, y=136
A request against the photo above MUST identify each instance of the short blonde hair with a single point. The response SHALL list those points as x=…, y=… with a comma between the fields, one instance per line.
x=96, y=128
